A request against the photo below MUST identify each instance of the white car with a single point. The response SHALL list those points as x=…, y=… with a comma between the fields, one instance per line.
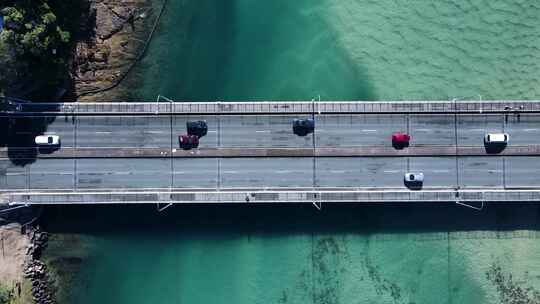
x=411, y=177
x=496, y=138
x=47, y=140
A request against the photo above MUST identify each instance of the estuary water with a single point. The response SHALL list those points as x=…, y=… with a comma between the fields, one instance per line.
x=298, y=50
x=346, y=49
x=441, y=253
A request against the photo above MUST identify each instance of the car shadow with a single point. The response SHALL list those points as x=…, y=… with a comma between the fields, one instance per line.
x=494, y=148
x=400, y=146
x=414, y=185
x=47, y=149
x=302, y=132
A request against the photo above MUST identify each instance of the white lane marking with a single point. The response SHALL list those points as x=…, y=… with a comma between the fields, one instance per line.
x=283, y=171
x=530, y=130
x=477, y=130
x=124, y=147
x=422, y=130
x=230, y=172
x=213, y=131
x=122, y=173
x=14, y=173
x=51, y=173
x=337, y=171
x=368, y=130
x=154, y=132
x=103, y=132
x=391, y=171
x=263, y=131
x=440, y=171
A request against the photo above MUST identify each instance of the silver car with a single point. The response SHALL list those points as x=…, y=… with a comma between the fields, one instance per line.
x=411, y=177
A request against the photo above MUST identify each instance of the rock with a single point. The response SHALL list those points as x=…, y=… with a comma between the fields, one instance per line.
x=113, y=39
x=107, y=22
x=87, y=76
x=101, y=56
x=99, y=53
x=81, y=52
x=123, y=12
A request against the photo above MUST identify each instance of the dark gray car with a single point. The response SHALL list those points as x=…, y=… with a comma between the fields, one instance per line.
x=304, y=126
x=198, y=128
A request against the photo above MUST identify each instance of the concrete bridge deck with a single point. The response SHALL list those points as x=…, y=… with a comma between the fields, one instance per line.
x=114, y=152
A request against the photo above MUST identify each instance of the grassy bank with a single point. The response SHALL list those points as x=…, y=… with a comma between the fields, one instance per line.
x=11, y=295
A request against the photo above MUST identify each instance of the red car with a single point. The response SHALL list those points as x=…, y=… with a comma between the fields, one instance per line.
x=400, y=139
x=188, y=141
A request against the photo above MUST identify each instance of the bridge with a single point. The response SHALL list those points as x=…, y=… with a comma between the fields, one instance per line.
x=119, y=153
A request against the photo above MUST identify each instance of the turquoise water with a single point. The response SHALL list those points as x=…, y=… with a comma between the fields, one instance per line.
x=292, y=50
x=347, y=49
x=267, y=254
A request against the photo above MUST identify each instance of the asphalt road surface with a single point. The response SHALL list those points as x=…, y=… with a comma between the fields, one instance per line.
x=270, y=172
x=276, y=131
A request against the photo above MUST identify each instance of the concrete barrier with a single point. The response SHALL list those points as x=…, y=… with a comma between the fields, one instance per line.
x=367, y=151
x=248, y=196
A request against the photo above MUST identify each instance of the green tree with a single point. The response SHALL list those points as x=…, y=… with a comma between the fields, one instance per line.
x=32, y=38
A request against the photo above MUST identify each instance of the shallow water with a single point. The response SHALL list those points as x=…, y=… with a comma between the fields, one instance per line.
x=347, y=49
x=298, y=50
x=265, y=254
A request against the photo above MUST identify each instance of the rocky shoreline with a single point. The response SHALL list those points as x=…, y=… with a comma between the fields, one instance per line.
x=36, y=271
x=114, y=36
x=23, y=276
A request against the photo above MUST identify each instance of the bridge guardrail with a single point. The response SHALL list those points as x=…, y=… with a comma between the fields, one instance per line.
x=282, y=196
x=275, y=107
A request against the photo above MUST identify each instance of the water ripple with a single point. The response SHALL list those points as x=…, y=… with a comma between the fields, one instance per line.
x=443, y=49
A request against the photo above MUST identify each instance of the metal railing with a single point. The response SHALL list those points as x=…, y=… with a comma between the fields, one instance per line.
x=273, y=107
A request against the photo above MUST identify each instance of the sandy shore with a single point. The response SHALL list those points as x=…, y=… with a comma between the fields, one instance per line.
x=15, y=247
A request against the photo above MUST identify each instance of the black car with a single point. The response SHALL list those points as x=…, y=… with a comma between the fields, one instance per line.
x=303, y=127
x=198, y=128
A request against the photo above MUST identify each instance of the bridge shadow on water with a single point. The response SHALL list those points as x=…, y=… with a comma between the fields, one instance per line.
x=279, y=219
